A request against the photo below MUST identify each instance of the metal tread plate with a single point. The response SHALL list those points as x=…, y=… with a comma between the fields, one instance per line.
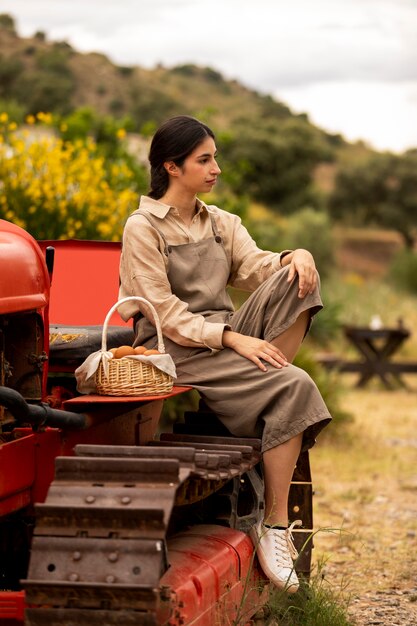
x=100, y=536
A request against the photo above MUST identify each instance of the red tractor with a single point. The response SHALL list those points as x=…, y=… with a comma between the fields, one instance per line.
x=102, y=521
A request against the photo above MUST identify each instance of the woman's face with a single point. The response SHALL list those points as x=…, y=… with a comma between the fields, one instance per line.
x=199, y=172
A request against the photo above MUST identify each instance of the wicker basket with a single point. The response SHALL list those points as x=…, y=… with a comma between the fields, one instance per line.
x=131, y=377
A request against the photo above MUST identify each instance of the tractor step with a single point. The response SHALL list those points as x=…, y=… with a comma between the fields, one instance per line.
x=99, y=549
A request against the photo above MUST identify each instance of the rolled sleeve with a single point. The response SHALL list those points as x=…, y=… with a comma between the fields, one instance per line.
x=177, y=323
x=213, y=335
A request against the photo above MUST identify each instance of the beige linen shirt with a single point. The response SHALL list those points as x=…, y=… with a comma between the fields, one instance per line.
x=143, y=266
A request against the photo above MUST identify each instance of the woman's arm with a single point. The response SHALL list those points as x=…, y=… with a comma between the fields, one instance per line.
x=251, y=266
x=301, y=262
x=254, y=349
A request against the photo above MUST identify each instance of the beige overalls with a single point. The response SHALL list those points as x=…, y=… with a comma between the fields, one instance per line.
x=274, y=405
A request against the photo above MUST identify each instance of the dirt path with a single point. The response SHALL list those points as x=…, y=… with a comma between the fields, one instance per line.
x=366, y=490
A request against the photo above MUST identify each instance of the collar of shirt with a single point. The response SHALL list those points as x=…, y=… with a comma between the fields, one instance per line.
x=159, y=209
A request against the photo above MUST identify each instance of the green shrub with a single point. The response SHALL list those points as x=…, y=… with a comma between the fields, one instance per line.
x=30, y=50
x=186, y=70
x=54, y=61
x=63, y=46
x=79, y=124
x=281, y=155
x=7, y=22
x=10, y=69
x=267, y=234
x=105, y=130
x=150, y=105
x=403, y=271
x=14, y=110
x=311, y=229
x=44, y=91
x=125, y=70
x=212, y=75
x=116, y=105
x=328, y=323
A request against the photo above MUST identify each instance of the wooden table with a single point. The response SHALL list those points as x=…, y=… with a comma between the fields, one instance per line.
x=377, y=347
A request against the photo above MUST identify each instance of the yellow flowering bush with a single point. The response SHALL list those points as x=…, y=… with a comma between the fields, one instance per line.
x=58, y=189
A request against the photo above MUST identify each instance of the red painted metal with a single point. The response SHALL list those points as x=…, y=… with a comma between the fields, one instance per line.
x=84, y=282
x=17, y=473
x=12, y=607
x=20, y=256
x=48, y=445
x=211, y=572
x=85, y=403
x=27, y=467
x=212, y=575
x=15, y=502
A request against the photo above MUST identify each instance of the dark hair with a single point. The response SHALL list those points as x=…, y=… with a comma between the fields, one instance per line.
x=173, y=141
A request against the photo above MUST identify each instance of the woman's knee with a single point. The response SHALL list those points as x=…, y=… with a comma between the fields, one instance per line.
x=301, y=380
x=282, y=276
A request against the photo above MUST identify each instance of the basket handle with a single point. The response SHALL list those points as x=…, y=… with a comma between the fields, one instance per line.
x=161, y=347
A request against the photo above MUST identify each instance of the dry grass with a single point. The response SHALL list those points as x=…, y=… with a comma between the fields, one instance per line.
x=366, y=485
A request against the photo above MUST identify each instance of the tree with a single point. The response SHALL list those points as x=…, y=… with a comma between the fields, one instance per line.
x=273, y=162
x=380, y=190
x=7, y=22
x=401, y=210
x=10, y=69
x=44, y=91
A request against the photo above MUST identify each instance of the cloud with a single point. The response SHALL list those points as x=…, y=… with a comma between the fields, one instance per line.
x=268, y=43
x=384, y=114
x=308, y=53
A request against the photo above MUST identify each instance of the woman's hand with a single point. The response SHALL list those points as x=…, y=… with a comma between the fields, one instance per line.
x=301, y=262
x=254, y=349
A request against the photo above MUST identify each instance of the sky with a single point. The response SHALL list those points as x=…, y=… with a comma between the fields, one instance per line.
x=351, y=65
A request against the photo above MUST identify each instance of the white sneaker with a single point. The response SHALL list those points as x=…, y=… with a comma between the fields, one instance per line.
x=276, y=552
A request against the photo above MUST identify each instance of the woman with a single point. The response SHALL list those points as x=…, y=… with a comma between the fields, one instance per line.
x=181, y=254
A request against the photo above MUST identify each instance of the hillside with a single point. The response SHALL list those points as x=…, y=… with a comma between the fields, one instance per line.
x=52, y=76
x=365, y=252
x=269, y=155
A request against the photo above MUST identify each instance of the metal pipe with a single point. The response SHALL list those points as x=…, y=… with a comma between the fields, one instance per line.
x=40, y=414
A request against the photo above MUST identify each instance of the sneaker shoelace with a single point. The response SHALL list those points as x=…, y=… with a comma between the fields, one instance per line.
x=285, y=550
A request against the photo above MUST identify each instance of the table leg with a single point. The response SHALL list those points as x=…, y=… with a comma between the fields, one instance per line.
x=377, y=359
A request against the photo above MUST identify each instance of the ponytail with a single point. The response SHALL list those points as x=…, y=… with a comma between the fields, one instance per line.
x=159, y=182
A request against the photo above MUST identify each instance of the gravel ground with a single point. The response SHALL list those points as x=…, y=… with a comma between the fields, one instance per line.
x=366, y=491
x=390, y=608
